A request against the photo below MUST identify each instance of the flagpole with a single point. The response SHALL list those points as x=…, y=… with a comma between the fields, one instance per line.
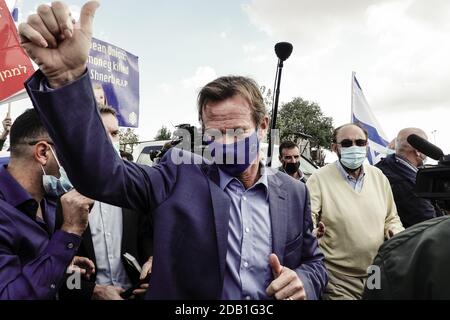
x=351, y=107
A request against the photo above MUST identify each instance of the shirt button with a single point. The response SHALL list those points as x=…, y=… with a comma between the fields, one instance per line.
x=244, y=198
x=247, y=230
x=248, y=298
x=53, y=286
x=108, y=234
x=246, y=264
x=70, y=245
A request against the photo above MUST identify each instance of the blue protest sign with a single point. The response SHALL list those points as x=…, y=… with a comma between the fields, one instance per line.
x=115, y=77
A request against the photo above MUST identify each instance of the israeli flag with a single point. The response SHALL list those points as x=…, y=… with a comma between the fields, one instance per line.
x=14, y=9
x=363, y=115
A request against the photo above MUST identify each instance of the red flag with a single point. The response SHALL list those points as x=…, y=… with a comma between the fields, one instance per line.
x=15, y=66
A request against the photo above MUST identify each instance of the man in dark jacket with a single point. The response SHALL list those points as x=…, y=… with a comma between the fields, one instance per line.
x=290, y=160
x=113, y=232
x=401, y=170
x=413, y=264
x=136, y=241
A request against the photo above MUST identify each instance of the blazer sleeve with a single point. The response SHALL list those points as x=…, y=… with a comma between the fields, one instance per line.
x=412, y=209
x=95, y=169
x=312, y=270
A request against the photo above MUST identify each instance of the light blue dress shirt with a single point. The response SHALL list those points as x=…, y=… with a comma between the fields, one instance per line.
x=355, y=184
x=105, y=222
x=247, y=271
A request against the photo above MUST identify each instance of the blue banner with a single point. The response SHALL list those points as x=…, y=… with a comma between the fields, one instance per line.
x=115, y=78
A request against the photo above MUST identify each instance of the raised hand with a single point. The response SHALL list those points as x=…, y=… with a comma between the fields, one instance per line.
x=7, y=123
x=76, y=209
x=58, y=46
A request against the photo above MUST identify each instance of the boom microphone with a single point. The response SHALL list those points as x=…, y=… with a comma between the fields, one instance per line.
x=283, y=50
x=425, y=147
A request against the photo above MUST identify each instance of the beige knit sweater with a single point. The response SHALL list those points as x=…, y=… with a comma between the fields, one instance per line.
x=356, y=223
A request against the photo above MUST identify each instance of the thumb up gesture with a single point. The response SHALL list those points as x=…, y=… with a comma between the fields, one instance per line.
x=56, y=44
x=286, y=284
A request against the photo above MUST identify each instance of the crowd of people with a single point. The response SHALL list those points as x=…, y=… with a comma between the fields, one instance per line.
x=80, y=220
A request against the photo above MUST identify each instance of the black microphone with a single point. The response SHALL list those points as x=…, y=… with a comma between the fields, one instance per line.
x=283, y=50
x=425, y=147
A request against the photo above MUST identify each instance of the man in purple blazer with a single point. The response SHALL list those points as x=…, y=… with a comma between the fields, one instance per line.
x=230, y=229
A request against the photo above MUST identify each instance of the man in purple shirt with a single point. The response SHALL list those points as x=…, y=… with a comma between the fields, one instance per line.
x=33, y=257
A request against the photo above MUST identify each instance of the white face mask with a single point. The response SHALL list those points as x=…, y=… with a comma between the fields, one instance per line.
x=116, y=146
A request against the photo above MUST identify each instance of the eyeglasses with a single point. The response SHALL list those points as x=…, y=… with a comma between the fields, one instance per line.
x=347, y=143
x=33, y=143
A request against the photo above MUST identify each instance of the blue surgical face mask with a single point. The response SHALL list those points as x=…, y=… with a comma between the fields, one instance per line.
x=353, y=157
x=54, y=186
x=235, y=158
x=116, y=145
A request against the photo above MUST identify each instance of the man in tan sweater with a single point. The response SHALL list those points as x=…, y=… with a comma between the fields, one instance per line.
x=353, y=210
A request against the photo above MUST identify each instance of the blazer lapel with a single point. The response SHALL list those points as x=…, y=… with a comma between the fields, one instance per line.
x=126, y=229
x=221, y=206
x=278, y=215
x=89, y=245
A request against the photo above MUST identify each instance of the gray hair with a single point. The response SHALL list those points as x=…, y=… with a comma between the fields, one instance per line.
x=402, y=146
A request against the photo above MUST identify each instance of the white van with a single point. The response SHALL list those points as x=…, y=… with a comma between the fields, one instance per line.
x=141, y=153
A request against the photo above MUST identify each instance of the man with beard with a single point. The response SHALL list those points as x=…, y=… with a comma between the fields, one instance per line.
x=355, y=204
x=290, y=160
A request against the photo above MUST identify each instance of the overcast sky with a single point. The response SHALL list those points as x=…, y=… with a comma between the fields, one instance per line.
x=400, y=51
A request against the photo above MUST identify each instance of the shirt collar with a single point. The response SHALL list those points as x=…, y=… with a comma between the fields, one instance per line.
x=406, y=163
x=347, y=175
x=225, y=178
x=15, y=195
x=12, y=192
